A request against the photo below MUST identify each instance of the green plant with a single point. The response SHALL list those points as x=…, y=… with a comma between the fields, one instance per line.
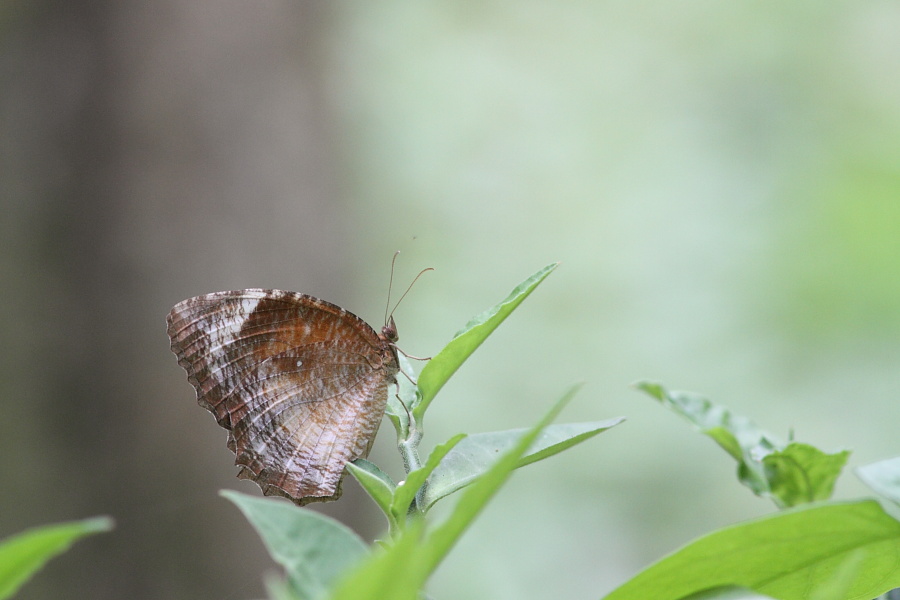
x=322, y=557
x=814, y=549
x=22, y=555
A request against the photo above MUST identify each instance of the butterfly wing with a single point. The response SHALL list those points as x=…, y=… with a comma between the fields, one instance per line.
x=299, y=383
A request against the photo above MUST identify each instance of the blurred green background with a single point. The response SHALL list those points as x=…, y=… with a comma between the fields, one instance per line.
x=721, y=182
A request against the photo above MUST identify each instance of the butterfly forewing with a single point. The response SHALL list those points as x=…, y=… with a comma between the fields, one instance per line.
x=300, y=384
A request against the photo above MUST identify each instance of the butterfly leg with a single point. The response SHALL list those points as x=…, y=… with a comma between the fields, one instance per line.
x=409, y=377
x=413, y=357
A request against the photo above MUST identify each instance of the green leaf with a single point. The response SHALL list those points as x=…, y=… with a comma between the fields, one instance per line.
x=388, y=573
x=732, y=431
x=837, y=584
x=476, y=497
x=22, y=555
x=440, y=368
x=478, y=452
x=279, y=589
x=883, y=477
x=802, y=473
x=401, y=570
x=788, y=474
x=314, y=549
x=376, y=482
x=791, y=555
x=407, y=491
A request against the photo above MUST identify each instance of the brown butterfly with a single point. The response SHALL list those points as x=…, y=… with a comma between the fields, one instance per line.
x=299, y=383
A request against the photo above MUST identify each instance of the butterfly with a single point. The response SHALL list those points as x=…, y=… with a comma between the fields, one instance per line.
x=299, y=383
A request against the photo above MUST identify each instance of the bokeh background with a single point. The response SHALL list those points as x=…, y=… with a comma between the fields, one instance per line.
x=721, y=182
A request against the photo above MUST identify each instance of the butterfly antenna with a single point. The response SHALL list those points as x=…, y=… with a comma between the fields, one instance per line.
x=407, y=290
x=390, y=286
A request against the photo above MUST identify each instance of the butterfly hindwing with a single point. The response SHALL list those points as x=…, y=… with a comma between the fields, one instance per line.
x=300, y=383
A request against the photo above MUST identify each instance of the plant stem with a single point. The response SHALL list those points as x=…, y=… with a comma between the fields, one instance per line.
x=409, y=451
x=409, y=448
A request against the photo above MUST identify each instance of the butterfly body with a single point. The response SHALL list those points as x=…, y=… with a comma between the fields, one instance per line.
x=299, y=383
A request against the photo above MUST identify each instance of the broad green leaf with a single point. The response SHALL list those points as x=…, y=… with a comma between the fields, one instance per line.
x=790, y=555
x=22, y=555
x=883, y=477
x=314, y=549
x=445, y=363
x=478, y=452
x=837, y=584
x=376, y=482
x=408, y=489
x=789, y=474
x=401, y=570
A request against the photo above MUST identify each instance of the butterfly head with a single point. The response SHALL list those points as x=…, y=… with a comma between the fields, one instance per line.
x=389, y=331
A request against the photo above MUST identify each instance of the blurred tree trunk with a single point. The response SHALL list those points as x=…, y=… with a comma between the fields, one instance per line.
x=150, y=152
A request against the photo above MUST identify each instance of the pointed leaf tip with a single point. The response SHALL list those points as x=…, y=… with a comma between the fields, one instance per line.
x=445, y=363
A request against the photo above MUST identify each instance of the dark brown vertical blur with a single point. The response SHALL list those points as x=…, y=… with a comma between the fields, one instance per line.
x=151, y=151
